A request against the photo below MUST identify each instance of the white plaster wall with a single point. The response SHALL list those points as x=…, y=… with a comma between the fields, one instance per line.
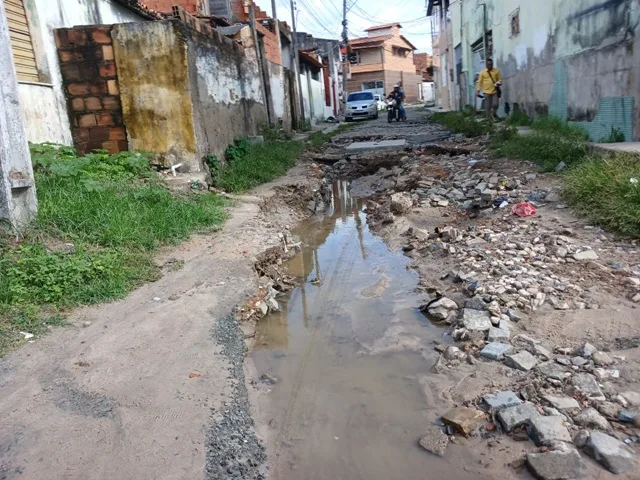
x=45, y=106
x=276, y=81
x=317, y=90
x=222, y=82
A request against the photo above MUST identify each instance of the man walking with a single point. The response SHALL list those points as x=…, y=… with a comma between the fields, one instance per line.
x=490, y=83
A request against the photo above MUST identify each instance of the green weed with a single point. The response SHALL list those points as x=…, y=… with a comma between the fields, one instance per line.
x=466, y=123
x=256, y=164
x=115, y=210
x=615, y=136
x=607, y=191
x=519, y=119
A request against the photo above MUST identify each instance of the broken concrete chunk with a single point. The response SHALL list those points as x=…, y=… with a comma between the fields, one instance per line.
x=498, y=335
x=586, y=384
x=547, y=430
x=514, y=315
x=514, y=417
x=465, y=420
x=441, y=309
x=522, y=361
x=435, y=441
x=591, y=418
x=628, y=416
x=495, y=351
x=610, y=453
x=401, y=202
x=500, y=400
x=586, y=350
x=562, y=403
x=556, y=465
x=602, y=359
x=586, y=255
x=477, y=320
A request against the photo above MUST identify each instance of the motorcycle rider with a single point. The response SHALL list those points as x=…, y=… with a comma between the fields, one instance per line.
x=399, y=96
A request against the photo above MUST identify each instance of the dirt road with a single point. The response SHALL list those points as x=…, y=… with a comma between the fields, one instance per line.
x=344, y=380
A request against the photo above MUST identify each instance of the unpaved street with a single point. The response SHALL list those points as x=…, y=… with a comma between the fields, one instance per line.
x=346, y=376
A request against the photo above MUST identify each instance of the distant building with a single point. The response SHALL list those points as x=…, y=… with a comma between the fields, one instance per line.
x=382, y=59
x=424, y=68
x=578, y=61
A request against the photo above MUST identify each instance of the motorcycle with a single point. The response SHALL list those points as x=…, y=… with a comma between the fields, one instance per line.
x=393, y=112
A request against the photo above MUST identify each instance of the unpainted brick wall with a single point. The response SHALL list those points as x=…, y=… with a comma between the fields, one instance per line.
x=166, y=6
x=90, y=83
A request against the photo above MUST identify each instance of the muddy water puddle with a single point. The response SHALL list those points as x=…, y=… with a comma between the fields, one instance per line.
x=348, y=351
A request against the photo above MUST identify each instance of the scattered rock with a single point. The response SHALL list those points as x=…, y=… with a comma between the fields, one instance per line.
x=268, y=378
x=495, y=351
x=610, y=452
x=547, y=430
x=562, y=403
x=442, y=308
x=587, y=385
x=522, y=361
x=581, y=438
x=602, y=359
x=465, y=420
x=502, y=400
x=498, y=334
x=628, y=416
x=86, y=324
x=586, y=351
x=514, y=315
x=591, y=418
x=435, y=441
x=632, y=398
x=477, y=320
x=452, y=353
x=609, y=409
x=401, y=202
x=586, y=255
x=556, y=465
x=475, y=303
x=514, y=417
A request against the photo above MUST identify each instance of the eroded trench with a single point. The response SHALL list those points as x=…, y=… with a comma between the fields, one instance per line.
x=345, y=358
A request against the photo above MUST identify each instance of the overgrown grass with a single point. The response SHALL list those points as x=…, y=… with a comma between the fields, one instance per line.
x=551, y=142
x=253, y=164
x=100, y=218
x=519, y=119
x=607, y=191
x=467, y=122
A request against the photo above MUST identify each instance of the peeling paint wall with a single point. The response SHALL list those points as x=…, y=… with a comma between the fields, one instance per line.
x=44, y=105
x=185, y=95
x=155, y=91
x=226, y=92
x=596, y=41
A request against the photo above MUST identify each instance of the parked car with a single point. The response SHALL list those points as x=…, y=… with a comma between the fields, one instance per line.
x=360, y=105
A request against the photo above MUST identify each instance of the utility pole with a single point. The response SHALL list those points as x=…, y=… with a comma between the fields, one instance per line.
x=261, y=64
x=277, y=27
x=345, y=40
x=296, y=60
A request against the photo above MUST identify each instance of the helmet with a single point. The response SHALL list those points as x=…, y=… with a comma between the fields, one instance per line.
x=396, y=85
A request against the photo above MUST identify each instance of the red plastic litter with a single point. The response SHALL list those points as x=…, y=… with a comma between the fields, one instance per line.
x=523, y=209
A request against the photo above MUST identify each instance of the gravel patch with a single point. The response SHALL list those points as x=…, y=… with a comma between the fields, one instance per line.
x=234, y=451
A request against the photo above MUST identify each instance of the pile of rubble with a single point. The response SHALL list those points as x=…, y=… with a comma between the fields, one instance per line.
x=567, y=400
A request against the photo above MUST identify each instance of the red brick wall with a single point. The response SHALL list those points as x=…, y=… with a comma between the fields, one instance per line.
x=270, y=44
x=90, y=83
x=166, y=6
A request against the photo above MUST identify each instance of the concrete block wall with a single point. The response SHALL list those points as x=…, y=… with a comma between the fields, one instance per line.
x=90, y=82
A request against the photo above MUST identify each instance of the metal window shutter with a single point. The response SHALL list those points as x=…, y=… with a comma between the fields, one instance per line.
x=23, y=55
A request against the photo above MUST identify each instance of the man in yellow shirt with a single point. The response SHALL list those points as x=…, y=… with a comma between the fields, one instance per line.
x=489, y=83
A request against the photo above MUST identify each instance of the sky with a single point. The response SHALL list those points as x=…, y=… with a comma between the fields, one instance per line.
x=322, y=18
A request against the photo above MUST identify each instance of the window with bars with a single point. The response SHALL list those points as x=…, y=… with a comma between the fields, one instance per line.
x=21, y=45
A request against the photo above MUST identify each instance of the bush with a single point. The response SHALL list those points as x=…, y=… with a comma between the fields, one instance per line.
x=519, y=119
x=607, y=191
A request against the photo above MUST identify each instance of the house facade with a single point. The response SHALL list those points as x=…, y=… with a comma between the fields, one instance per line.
x=577, y=60
x=31, y=25
x=382, y=59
